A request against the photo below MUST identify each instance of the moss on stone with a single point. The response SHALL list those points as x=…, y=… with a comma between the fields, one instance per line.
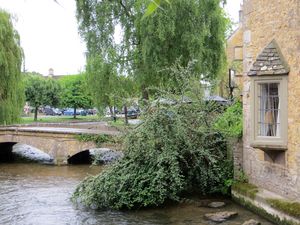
x=292, y=209
x=262, y=212
x=243, y=188
x=252, y=194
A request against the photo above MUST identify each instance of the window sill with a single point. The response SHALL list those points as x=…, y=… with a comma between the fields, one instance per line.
x=270, y=147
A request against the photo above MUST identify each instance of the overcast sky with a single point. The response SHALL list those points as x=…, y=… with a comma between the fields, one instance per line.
x=49, y=34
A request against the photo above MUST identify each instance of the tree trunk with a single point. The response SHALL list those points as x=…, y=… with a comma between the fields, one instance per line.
x=145, y=95
x=111, y=111
x=74, y=113
x=126, y=117
x=36, y=113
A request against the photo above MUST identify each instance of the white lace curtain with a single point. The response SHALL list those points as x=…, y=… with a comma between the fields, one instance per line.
x=269, y=109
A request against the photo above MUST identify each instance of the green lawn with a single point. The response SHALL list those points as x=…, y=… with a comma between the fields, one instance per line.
x=54, y=119
x=119, y=123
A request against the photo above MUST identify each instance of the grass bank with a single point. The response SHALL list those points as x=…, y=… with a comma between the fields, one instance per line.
x=57, y=119
x=119, y=123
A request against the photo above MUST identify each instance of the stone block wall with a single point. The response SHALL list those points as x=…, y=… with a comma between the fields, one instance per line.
x=234, y=52
x=263, y=21
x=238, y=158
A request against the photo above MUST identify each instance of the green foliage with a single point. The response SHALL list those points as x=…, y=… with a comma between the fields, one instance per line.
x=191, y=29
x=119, y=123
x=174, y=149
x=41, y=92
x=184, y=30
x=53, y=92
x=11, y=83
x=230, y=123
x=74, y=92
x=60, y=119
x=241, y=176
x=35, y=87
x=101, y=78
x=126, y=94
x=153, y=5
x=96, y=138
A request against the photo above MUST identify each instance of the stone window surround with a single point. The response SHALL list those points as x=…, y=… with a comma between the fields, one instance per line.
x=269, y=142
x=238, y=48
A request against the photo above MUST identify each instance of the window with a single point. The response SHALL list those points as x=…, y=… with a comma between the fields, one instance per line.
x=268, y=109
x=269, y=112
x=238, y=53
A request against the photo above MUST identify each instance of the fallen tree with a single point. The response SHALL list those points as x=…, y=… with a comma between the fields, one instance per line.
x=174, y=149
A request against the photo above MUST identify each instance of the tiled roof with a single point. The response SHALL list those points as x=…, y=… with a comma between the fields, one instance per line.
x=270, y=62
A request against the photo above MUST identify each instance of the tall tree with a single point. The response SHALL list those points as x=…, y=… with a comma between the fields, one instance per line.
x=35, y=86
x=53, y=92
x=192, y=29
x=74, y=94
x=11, y=83
x=101, y=76
x=41, y=92
x=127, y=92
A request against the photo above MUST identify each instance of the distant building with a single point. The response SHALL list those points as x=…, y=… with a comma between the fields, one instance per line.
x=51, y=74
x=234, y=52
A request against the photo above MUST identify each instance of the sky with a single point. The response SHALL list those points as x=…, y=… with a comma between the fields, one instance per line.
x=49, y=34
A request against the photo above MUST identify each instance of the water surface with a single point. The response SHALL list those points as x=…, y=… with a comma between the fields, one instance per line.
x=33, y=193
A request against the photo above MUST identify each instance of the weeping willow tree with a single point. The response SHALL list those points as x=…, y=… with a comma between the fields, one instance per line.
x=12, y=92
x=190, y=28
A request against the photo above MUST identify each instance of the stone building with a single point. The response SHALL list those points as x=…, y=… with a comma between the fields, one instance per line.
x=51, y=74
x=234, y=51
x=270, y=156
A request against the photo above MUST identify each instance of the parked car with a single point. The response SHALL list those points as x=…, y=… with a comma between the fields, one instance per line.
x=51, y=111
x=71, y=112
x=91, y=111
x=129, y=111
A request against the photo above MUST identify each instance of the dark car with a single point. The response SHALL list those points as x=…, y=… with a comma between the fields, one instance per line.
x=91, y=111
x=51, y=111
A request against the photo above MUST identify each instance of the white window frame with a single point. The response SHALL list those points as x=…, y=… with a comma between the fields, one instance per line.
x=269, y=142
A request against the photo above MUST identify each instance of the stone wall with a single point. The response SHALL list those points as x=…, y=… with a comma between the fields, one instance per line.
x=238, y=158
x=234, y=52
x=263, y=21
x=58, y=145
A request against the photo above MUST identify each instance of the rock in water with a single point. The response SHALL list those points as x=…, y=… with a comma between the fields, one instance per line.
x=105, y=155
x=216, y=204
x=220, y=216
x=32, y=153
x=252, y=222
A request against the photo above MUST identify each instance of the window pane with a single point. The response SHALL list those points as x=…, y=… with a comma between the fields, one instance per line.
x=268, y=109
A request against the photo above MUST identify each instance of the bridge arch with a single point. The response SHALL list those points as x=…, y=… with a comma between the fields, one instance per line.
x=82, y=157
x=6, y=151
x=59, y=145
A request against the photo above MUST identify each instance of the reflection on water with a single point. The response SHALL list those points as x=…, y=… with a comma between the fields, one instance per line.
x=39, y=194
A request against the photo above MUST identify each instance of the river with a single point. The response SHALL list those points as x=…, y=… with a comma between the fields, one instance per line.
x=33, y=193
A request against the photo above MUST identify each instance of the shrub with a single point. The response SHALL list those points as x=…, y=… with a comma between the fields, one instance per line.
x=164, y=155
x=230, y=123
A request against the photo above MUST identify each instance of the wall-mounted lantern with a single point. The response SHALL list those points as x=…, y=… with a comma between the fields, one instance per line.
x=231, y=82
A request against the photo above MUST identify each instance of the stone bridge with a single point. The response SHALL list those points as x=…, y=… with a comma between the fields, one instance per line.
x=57, y=142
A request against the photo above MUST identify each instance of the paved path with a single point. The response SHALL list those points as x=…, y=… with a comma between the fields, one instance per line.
x=135, y=122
